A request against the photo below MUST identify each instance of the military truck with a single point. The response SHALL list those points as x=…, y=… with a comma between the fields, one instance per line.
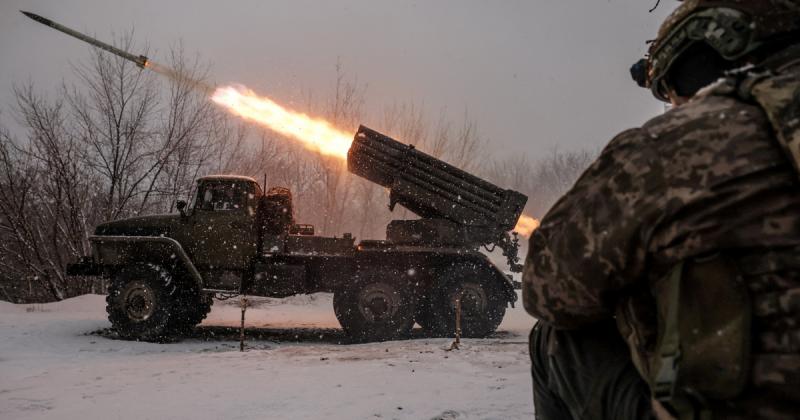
x=237, y=238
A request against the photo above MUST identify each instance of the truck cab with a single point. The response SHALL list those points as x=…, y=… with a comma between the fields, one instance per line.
x=219, y=230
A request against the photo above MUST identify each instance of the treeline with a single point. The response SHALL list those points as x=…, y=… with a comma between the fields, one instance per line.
x=121, y=142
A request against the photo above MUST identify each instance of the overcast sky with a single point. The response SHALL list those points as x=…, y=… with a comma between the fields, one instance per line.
x=533, y=74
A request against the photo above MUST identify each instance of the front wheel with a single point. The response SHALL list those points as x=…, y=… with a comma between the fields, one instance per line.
x=192, y=307
x=141, y=302
x=376, y=307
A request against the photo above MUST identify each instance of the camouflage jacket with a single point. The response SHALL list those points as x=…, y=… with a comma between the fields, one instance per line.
x=705, y=177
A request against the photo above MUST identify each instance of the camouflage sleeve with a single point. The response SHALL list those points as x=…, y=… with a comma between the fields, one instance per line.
x=590, y=244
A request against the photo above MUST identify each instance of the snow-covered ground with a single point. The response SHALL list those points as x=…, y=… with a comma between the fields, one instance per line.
x=54, y=364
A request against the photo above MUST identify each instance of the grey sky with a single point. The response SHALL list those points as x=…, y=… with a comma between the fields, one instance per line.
x=533, y=74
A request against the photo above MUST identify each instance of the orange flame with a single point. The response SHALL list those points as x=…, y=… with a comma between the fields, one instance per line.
x=526, y=225
x=315, y=134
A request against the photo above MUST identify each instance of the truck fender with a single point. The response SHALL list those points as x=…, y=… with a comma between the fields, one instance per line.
x=503, y=281
x=121, y=250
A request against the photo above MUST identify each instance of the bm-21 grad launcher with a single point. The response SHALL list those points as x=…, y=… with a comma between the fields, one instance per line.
x=455, y=208
x=239, y=237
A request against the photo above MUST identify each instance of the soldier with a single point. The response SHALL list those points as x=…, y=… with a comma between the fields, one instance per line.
x=666, y=282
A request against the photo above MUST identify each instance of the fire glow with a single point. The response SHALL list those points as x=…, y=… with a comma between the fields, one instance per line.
x=315, y=134
x=526, y=225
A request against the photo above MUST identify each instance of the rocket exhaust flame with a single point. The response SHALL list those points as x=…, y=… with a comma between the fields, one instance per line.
x=315, y=134
x=526, y=225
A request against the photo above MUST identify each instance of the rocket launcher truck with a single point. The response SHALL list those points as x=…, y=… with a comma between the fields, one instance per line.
x=238, y=238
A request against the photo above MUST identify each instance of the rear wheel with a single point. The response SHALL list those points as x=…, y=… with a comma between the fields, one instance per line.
x=141, y=302
x=378, y=306
x=483, y=305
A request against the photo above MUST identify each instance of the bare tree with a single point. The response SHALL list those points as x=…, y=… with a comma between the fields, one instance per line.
x=120, y=142
x=44, y=205
x=544, y=180
x=136, y=128
x=187, y=129
x=343, y=110
x=113, y=110
x=555, y=174
x=463, y=147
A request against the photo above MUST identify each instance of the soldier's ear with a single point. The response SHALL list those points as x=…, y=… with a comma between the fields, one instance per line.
x=695, y=69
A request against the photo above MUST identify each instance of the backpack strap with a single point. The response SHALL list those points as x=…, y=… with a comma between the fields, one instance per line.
x=668, y=350
x=664, y=382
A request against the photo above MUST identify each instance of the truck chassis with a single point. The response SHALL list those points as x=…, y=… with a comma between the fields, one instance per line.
x=164, y=270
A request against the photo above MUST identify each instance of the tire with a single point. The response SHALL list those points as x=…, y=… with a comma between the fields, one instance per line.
x=141, y=302
x=378, y=306
x=191, y=308
x=483, y=305
x=426, y=316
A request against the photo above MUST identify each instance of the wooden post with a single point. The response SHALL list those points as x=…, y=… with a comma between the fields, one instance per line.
x=243, y=303
x=457, y=342
x=458, y=321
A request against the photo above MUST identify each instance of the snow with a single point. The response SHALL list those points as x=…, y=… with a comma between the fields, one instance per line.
x=55, y=365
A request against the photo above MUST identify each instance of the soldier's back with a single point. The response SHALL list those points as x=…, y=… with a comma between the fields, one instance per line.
x=729, y=187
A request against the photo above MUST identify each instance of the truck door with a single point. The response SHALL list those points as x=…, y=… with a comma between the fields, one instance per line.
x=223, y=234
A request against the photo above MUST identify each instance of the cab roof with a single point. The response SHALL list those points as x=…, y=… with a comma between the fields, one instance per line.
x=226, y=178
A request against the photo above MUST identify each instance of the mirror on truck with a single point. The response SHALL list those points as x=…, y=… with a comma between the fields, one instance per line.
x=181, y=206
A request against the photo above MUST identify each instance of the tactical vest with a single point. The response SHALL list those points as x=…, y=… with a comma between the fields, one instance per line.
x=703, y=354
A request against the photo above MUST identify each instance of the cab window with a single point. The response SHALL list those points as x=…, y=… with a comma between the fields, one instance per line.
x=223, y=196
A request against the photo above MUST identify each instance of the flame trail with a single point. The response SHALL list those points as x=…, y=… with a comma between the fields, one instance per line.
x=526, y=225
x=315, y=134
x=177, y=77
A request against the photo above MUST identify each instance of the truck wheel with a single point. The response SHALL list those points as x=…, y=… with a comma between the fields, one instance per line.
x=141, y=300
x=482, y=303
x=426, y=315
x=377, y=307
x=192, y=307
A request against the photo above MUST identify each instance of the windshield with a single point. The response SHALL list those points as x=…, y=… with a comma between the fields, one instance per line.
x=223, y=195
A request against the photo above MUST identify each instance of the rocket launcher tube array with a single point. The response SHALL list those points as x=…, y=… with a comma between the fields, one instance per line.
x=430, y=187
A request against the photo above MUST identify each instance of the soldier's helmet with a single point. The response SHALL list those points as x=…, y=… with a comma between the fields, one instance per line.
x=724, y=32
